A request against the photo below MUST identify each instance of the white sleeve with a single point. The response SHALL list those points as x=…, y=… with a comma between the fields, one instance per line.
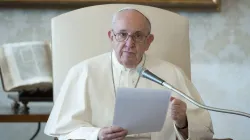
x=70, y=117
x=86, y=133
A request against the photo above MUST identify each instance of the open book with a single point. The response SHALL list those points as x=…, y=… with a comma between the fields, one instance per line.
x=26, y=66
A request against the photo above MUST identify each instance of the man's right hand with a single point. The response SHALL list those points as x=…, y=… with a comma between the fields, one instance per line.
x=112, y=133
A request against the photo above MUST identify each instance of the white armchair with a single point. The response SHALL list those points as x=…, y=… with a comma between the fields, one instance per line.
x=83, y=33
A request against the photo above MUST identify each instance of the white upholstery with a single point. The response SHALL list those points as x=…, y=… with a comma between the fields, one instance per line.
x=83, y=33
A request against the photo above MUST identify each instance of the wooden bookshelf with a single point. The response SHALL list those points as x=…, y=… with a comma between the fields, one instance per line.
x=35, y=114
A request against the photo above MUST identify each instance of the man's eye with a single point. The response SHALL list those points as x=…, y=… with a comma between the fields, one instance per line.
x=138, y=35
x=123, y=34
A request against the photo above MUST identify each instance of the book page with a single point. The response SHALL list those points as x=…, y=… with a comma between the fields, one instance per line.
x=29, y=65
x=5, y=73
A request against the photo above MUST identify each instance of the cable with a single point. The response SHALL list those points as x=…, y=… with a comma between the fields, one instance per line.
x=37, y=131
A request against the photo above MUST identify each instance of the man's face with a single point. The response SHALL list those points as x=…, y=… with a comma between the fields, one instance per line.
x=130, y=37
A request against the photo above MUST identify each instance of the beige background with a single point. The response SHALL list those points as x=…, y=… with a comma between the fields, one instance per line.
x=220, y=56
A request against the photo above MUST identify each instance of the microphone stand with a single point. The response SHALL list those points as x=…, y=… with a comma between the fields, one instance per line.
x=150, y=76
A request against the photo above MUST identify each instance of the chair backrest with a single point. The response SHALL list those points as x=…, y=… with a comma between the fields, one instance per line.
x=83, y=33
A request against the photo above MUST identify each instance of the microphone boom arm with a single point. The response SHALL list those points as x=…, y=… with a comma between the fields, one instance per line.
x=150, y=76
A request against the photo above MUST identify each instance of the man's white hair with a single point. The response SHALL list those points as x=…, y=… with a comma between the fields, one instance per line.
x=129, y=8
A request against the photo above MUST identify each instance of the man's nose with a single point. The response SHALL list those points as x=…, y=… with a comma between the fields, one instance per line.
x=130, y=41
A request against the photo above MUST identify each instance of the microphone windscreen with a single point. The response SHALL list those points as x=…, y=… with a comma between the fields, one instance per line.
x=149, y=75
x=140, y=70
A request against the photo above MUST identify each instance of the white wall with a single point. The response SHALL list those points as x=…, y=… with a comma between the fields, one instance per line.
x=220, y=54
x=23, y=25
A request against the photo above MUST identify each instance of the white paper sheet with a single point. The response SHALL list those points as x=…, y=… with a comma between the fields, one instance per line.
x=141, y=110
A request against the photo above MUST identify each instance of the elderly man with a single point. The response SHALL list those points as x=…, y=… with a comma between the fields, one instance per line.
x=85, y=106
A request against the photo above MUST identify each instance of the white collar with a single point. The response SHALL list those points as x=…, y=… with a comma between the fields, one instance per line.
x=121, y=67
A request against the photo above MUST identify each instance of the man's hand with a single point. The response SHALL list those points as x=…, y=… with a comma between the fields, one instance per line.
x=178, y=112
x=112, y=133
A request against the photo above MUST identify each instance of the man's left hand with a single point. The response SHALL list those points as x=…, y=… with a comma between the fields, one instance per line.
x=178, y=112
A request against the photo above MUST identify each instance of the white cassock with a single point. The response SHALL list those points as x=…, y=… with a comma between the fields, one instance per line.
x=86, y=100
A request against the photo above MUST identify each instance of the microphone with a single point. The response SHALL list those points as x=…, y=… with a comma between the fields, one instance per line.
x=150, y=76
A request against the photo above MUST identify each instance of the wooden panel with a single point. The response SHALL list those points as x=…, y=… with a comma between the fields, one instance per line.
x=180, y=5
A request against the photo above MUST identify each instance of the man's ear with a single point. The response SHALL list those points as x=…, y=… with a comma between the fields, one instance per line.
x=149, y=40
x=110, y=35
